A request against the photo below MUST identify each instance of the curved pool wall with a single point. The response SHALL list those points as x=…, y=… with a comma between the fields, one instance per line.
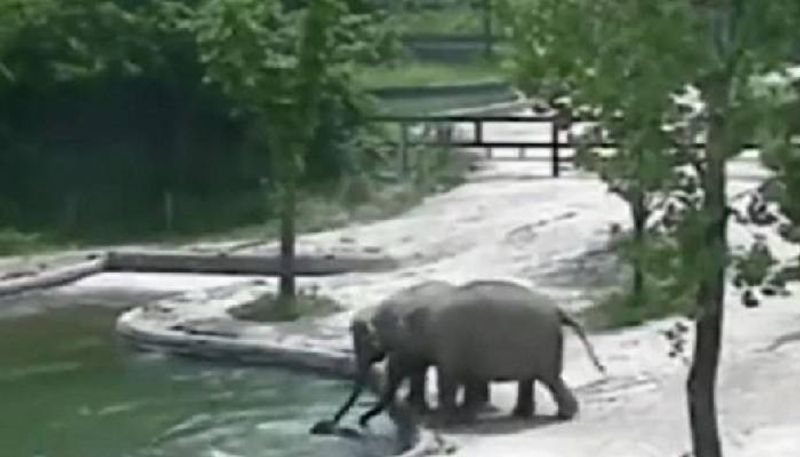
x=197, y=324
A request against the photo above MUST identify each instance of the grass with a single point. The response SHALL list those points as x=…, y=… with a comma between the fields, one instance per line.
x=413, y=73
x=619, y=309
x=268, y=309
x=432, y=105
x=455, y=20
x=14, y=242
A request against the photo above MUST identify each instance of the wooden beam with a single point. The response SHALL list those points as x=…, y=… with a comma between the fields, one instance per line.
x=507, y=118
x=508, y=144
x=51, y=278
x=260, y=265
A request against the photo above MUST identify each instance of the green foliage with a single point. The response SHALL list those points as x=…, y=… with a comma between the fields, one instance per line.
x=781, y=104
x=287, y=68
x=584, y=49
x=356, y=189
x=622, y=309
x=15, y=242
x=94, y=160
x=628, y=62
x=627, y=79
x=411, y=73
x=459, y=18
x=103, y=112
x=281, y=66
x=667, y=287
x=753, y=267
x=250, y=45
x=649, y=71
x=53, y=41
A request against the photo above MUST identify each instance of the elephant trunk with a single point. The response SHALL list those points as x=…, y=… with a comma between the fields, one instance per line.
x=358, y=387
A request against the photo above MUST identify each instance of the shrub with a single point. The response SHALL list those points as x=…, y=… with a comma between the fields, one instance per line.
x=307, y=303
x=13, y=241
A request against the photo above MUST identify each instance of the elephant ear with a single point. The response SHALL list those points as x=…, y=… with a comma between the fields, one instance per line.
x=364, y=335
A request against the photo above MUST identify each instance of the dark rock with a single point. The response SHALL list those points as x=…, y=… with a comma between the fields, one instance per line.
x=749, y=299
x=681, y=327
x=769, y=291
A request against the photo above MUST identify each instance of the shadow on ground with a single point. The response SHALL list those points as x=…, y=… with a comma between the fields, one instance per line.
x=501, y=423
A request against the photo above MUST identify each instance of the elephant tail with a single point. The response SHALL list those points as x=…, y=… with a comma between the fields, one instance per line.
x=578, y=328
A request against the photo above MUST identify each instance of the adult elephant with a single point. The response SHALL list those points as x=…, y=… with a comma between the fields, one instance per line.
x=489, y=331
x=376, y=333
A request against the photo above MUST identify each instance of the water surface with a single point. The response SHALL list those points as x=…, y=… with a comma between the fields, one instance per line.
x=69, y=387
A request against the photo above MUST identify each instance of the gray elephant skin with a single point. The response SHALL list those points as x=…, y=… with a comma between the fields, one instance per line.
x=376, y=333
x=488, y=331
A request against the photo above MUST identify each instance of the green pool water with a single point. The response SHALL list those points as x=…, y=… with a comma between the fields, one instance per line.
x=69, y=387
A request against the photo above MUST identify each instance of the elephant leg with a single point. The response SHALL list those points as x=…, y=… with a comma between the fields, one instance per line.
x=474, y=399
x=447, y=388
x=395, y=370
x=565, y=399
x=477, y=393
x=416, y=391
x=525, y=399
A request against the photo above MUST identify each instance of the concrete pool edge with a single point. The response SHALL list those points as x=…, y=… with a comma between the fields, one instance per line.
x=166, y=326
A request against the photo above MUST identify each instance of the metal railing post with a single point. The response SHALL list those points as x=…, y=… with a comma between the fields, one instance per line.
x=403, y=150
x=479, y=136
x=555, y=148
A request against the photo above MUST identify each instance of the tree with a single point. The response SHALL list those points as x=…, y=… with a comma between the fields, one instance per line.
x=74, y=63
x=50, y=40
x=631, y=59
x=640, y=171
x=487, y=14
x=280, y=66
x=781, y=155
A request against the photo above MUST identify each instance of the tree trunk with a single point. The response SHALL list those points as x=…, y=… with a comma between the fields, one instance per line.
x=702, y=379
x=288, y=186
x=639, y=214
x=175, y=177
x=487, y=28
x=287, y=251
x=701, y=387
